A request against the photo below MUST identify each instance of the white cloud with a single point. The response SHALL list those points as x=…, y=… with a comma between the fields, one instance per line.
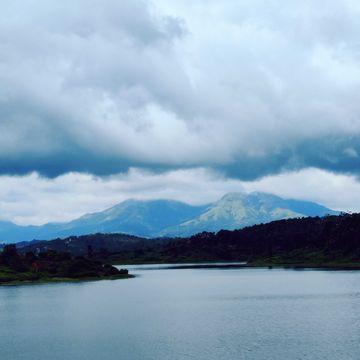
x=241, y=86
x=336, y=191
x=33, y=199
x=234, y=89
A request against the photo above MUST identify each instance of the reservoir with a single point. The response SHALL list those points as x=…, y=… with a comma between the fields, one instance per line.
x=184, y=313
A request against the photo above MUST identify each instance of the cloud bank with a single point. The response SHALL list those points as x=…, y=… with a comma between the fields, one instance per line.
x=33, y=199
x=248, y=88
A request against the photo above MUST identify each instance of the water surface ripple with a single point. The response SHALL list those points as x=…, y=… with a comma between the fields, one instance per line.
x=203, y=314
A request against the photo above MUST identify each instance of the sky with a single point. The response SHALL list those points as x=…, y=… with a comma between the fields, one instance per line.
x=104, y=101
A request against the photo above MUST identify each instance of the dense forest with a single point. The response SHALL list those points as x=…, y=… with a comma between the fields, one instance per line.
x=312, y=240
x=327, y=240
x=101, y=245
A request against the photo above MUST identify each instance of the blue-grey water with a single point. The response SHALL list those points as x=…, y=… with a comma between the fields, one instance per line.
x=186, y=314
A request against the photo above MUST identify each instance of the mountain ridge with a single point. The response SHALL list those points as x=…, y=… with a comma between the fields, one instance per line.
x=163, y=218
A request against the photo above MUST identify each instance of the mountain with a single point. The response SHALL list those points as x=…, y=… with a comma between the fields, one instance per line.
x=156, y=218
x=10, y=232
x=135, y=217
x=237, y=210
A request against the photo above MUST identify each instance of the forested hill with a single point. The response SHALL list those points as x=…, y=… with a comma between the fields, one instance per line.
x=100, y=244
x=313, y=240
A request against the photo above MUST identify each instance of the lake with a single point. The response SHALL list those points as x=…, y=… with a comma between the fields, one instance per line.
x=186, y=314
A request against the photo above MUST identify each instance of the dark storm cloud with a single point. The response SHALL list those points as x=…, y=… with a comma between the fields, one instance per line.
x=332, y=153
x=249, y=88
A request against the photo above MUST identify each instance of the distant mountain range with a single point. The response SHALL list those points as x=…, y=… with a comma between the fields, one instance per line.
x=162, y=218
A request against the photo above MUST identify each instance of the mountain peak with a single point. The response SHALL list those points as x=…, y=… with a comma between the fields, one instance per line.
x=249, y=196
x=234, y=196
x=161, y=217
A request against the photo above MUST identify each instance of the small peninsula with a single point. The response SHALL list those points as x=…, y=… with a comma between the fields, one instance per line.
x=52, y=266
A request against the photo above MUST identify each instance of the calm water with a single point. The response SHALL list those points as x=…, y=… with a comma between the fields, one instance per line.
x=186, y=314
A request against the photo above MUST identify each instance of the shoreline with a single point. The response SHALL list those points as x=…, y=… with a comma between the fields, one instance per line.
x=240, y=265
x=45, y=281
x=193, y=265
x=325, y=266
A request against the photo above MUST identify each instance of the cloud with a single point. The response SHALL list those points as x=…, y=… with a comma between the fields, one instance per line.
x=336, y=191
x=248, y=88
x=33, y=199
x=30, y=199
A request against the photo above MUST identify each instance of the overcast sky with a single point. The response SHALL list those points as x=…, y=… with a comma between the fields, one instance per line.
x=102, y=101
